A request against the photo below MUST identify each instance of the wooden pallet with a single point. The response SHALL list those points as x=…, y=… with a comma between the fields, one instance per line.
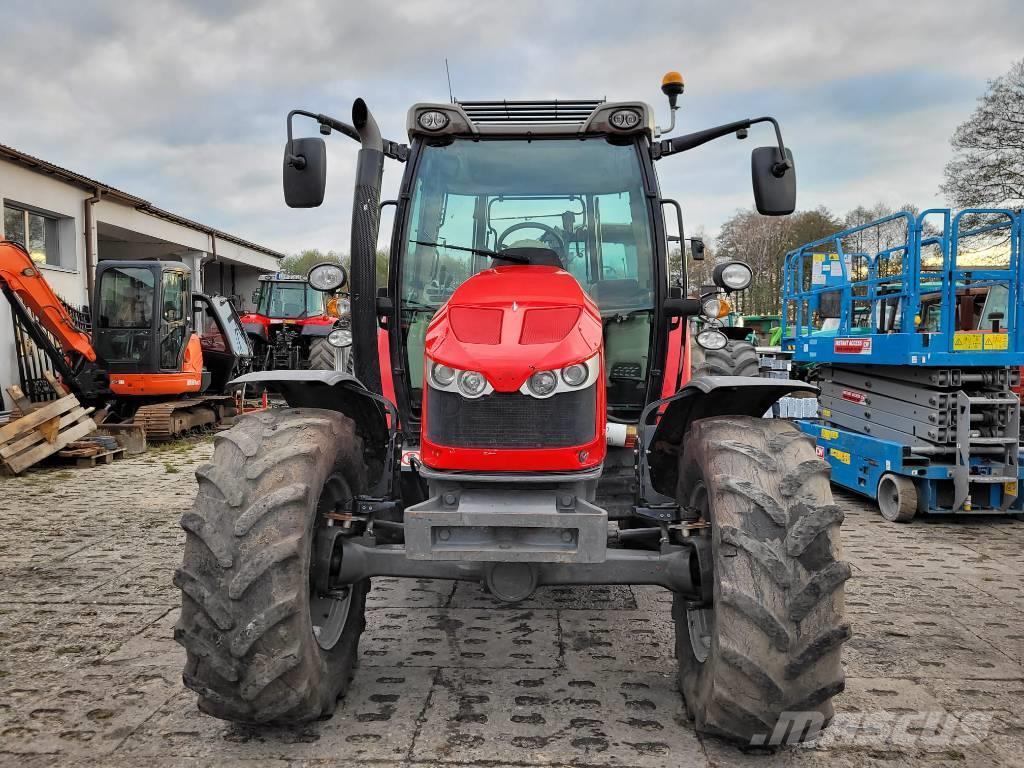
x=42, y=430
x=92, y=459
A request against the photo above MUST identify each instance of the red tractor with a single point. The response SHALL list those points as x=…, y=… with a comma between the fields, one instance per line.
x=291, y=327
x=523, y=381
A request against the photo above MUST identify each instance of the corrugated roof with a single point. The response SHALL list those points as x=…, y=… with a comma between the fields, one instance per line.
x=42, y=166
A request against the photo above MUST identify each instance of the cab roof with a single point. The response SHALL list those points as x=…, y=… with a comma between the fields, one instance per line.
x=530, y=118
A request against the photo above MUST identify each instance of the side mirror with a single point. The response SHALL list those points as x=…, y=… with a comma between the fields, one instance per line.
x=255, y=298
x=696, y=249
x=305, y=172
x=774, y=181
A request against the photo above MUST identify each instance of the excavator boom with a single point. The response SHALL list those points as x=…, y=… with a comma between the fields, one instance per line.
x=21, y=277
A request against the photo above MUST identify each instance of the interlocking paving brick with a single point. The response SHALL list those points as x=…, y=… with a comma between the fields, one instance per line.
x=387, y=592
x=630, y=640
x=448, y=675
x=632, y=718
x=452, y=637
x=377, y=720
x=599, y=596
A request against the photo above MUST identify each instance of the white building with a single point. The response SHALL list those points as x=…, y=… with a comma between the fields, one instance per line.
x=69, y=222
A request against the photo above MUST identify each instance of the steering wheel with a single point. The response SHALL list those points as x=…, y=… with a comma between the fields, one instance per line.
x=531, y=225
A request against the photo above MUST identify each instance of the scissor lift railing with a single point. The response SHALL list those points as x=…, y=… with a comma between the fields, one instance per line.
x=844, y=303
x=913, y=324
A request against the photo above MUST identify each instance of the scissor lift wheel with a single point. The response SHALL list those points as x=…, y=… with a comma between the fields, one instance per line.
x=897, y=498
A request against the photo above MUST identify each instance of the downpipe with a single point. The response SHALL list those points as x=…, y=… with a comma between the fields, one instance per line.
x=363, y=247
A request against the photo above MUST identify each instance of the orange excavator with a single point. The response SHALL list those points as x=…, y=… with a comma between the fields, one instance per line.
x=156, y=349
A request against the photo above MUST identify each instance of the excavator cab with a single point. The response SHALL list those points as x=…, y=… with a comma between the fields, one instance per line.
x=143, y=315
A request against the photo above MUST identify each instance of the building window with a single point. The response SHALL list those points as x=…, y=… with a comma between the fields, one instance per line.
x=38, y=232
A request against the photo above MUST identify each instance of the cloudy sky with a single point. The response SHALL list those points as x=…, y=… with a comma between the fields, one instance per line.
x=183, y=103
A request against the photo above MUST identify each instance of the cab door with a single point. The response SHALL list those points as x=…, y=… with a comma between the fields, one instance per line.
x=175, y=318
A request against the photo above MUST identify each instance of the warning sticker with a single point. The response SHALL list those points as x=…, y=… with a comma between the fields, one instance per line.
x=967, y=342
x=820, y=451
x=847, y=346
x=997, y=341
x=854, y=397
x=1010, y=489
x=842, y=456
x=829, y=434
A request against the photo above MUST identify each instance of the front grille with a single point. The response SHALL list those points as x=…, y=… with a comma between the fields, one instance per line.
x=511, y=419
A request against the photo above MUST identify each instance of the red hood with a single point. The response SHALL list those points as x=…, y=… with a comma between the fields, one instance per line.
x=481, y=327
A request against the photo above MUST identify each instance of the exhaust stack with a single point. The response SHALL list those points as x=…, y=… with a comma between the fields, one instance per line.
x=363, y=247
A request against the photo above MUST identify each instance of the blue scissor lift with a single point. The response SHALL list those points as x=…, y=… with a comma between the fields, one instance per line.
x=910, y=326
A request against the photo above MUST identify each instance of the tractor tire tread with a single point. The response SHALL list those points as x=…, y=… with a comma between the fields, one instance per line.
x=778, y=623
x=251, y=655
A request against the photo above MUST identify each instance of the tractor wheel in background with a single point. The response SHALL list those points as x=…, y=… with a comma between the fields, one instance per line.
x=321, y=355
x=264, y=646
x=897, y=498
x=737, y=358
x=769, y=643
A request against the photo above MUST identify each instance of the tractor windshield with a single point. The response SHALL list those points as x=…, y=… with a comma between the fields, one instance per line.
x=583, y=199
x=289, y=300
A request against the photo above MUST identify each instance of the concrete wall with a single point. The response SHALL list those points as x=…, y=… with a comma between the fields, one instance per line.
x=116, y=225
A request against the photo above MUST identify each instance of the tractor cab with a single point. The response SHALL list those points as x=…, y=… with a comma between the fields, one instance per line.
x=287, y=297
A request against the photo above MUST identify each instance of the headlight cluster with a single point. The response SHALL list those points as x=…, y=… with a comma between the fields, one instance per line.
x=471, y=384
x=541, y=384
x=544, y=384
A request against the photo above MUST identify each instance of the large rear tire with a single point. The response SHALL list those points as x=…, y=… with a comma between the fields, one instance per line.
x=737, y=358
x=263, y=646
x=770, y=642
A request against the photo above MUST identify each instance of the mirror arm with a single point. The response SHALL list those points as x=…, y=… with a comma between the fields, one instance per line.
x=392, y=149
x=689, y=141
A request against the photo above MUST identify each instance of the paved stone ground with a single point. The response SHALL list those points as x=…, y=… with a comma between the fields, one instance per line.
x=572, y=677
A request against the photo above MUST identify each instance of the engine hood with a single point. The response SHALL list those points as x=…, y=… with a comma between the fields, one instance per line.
x=508, y=322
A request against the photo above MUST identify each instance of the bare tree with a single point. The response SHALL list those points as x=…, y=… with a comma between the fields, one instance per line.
x=987, y=169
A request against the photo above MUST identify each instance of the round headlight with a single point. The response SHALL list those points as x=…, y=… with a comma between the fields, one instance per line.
x=709, y=338
x=543, y=383
x=442, y=374
x=327, y=276
x=574, y=375
x=733, y=276
x=471, y=383
x=433, y=120
x=339, y=337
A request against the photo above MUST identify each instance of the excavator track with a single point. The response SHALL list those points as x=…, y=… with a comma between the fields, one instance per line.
x=175, y=418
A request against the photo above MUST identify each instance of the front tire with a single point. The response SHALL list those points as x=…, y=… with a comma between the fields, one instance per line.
x=770, y=641
x=263, y=646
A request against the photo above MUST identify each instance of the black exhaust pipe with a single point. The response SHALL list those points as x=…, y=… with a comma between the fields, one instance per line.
x=363, y=247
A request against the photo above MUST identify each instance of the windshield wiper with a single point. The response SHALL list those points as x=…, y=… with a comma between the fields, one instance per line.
x=479, y=251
